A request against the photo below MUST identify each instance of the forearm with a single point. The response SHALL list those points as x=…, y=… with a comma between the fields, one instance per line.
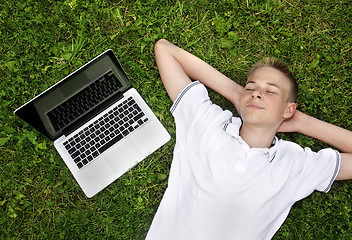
x=197, y=69
x=332, y=135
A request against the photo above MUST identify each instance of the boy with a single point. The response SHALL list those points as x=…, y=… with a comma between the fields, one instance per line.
x=231, y=178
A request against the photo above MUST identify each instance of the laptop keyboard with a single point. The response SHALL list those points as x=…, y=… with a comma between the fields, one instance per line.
x=86, y=99
x=99, y=136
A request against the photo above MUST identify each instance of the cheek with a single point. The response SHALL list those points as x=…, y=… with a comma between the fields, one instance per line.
x=278, y=105
x=243, y=98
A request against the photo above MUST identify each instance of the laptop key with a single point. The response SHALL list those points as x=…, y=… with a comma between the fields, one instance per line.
x=77, y=159
x=95, y=154
x=79, y=165
x=67, y=146
x=138, y=116
x=72, y=150
x=110, y=143
x=75, y=154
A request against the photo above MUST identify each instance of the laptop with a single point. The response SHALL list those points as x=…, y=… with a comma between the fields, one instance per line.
x=99, y=123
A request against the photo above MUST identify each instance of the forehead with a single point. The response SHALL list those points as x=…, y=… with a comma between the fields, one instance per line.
x=269, y=76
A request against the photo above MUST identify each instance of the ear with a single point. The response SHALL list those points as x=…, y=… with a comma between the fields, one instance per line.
x=290, y=110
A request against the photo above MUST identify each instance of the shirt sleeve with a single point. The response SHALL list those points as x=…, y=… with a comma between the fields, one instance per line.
x=194, y=107
x=316, y=171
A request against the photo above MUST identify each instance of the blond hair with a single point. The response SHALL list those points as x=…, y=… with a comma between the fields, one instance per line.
x=283, y=68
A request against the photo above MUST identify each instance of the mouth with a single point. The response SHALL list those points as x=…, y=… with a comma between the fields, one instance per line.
x=254, y=106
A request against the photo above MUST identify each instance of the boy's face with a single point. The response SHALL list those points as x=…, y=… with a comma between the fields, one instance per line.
x=264, y=100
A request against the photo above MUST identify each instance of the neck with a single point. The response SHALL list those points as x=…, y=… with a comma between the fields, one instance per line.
x=257, y=137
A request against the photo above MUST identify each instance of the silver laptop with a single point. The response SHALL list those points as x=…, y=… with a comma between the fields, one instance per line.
x=99, y=124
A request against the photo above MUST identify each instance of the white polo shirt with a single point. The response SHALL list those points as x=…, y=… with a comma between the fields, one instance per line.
x=220, y=188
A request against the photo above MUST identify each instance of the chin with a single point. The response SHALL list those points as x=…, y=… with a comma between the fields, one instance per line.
x=252, y=121
x=257, y=121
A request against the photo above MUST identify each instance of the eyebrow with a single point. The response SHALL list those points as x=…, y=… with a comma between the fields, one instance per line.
x=271, y=84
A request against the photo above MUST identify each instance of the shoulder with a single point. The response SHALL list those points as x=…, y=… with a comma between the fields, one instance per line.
x=305, y=158
x=285, y=145
x=194, y=107
x=191, y=93
x=194, y=101
x=292, y=147
x=293, y=151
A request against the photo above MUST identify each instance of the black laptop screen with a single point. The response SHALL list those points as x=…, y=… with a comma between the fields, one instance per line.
x=76, y=98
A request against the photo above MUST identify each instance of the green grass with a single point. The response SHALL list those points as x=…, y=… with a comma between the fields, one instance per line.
x=42, y=41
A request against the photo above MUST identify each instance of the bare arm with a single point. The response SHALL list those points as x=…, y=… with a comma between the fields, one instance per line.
x=177, y=67
x=333, y=135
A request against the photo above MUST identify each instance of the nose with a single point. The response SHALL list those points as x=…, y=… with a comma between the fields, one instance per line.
x=257, y=94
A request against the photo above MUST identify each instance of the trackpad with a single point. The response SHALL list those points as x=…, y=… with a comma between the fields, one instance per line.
x=124, y=157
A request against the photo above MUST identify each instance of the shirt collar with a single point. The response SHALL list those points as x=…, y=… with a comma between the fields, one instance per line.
x=233, y=128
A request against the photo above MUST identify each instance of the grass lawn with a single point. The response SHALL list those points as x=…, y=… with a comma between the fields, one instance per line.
x=42, y=41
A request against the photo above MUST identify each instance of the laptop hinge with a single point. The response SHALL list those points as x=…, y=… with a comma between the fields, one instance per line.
x=91, y=114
